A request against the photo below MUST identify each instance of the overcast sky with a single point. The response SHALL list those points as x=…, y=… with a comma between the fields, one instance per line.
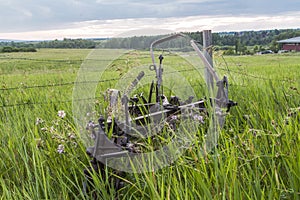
x=51, y=19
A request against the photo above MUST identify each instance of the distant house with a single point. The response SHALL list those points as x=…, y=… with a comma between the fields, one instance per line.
x=292, y=44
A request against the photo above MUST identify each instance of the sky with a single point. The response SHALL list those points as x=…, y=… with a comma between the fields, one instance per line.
x=58, y=19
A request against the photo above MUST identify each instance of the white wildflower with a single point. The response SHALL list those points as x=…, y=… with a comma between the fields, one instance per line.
x=174, y=117
x=60, y=149
x=38, y=121
x=91, y=124
x=199, y=118
x=61, y=113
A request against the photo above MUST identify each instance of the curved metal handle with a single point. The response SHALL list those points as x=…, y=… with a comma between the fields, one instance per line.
x=159, y=41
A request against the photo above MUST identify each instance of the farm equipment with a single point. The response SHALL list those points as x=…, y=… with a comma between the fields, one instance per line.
x=129, y=118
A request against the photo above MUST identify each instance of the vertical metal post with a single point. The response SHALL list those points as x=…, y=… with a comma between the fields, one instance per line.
x=207, y=47
x=212, y=135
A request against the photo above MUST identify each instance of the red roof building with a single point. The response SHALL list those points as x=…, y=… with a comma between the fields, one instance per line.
x=292, y=44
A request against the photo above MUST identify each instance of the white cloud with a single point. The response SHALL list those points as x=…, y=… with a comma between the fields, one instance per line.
x=147, y=26
x=30, y=15
x=193, y=1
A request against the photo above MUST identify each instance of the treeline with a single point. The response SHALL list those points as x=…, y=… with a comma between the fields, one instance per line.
x=239, y=42
x=244, y=42
x=9, y=49
x=144, y=42
x=248, y=38
x=67, y=43
x=232, y=42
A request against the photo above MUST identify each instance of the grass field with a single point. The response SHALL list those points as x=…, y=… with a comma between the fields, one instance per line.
x=42, y=156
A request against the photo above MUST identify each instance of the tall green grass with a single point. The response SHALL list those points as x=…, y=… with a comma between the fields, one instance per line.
x=257, y=156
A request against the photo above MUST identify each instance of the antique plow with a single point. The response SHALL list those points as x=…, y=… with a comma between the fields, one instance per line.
x=129, y=118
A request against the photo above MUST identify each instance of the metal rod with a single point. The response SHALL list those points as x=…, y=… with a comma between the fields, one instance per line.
x=159, y=70
x=207, y=51
x=206, y=63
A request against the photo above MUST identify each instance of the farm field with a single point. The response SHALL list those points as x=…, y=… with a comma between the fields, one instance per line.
x=257, y=157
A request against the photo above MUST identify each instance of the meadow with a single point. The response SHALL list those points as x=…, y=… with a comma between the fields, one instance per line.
x=42, y=156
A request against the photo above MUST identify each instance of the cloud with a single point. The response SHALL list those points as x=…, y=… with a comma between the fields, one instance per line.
x=114, y=15
x=24, y=14
x=154, y=26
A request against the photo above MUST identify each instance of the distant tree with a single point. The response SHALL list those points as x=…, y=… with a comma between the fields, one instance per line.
x=274, y=46
x=240, y=40
x=229, y=51
x=8, y=49
x=237, y=45
x=261, y=48
x=67, y=43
